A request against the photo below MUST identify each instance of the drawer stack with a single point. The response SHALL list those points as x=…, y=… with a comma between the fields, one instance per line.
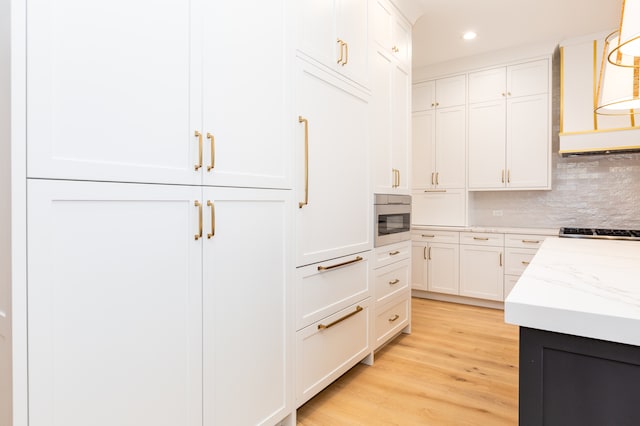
x=519, y=250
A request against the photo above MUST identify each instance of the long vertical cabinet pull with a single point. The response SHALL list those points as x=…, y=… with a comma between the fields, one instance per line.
x=429, y=255
x=199, y=206
x=213, y=152
x=341, y=58
x=500, y=259
x=346, y=54
x=424, y=253
x=301, y=119
x=198, y=135
x=213, y=219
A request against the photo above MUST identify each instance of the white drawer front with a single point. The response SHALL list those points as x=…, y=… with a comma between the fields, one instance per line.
x=391, y=280
x=430, y=236
x=509, y=282
x=324, y=288
x=482, y=239
x=323, y=354
x=391, y=320
x=524, y=240
x=517, y=260
x=392, y=253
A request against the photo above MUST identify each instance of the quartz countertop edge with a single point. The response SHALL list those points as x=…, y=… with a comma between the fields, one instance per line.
x=583, y=287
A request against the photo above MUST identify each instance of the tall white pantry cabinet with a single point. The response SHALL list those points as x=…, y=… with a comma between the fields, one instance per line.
x=152, y=204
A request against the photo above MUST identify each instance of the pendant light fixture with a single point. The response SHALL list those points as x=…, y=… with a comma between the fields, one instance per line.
x=618, y=91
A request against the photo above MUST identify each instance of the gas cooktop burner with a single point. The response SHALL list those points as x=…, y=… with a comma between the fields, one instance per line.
x=612, y=234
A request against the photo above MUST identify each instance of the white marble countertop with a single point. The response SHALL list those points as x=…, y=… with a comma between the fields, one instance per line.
x=583, y=287
x=492, y=229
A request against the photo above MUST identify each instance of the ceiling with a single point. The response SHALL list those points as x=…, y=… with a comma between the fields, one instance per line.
x=502, y=24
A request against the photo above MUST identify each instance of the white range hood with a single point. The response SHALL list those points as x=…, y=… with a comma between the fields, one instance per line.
x=582, y=132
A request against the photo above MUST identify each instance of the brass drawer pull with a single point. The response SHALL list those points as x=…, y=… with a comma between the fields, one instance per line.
x=481, y=238
x=331, y=324
x=435, y=190
x=213, y=219
x=429, y=255
x=524, y=262
x=396, y=281
x=427, y=236
x=393, y=253
x=199, y=206
x=501, y=259
x=337, y=265
x=531, y=241
x=395, y=317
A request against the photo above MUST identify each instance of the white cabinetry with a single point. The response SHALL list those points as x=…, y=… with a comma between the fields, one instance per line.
x=435, y=261
x=519, y=251
x=392, y=291
x=439, y=152
x=390, y=85
x=482, y=265
x=333, y=183
x=335, y=33
x=152, y=102
x=509, y=127
x=129, y=307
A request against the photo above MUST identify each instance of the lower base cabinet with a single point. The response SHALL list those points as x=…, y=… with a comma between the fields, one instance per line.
x=391, y=318
x=482, y=266
x=136, y=298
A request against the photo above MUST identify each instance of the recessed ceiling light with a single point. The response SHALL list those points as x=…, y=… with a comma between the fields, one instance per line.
x=469, y=35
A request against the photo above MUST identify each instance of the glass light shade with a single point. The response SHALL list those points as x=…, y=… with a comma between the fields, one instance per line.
x=618, y=89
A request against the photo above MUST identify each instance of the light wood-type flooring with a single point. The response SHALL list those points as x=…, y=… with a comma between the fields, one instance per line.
x=458, y=367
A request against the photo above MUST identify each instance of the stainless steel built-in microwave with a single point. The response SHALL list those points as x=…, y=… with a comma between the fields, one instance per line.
x=392, y=219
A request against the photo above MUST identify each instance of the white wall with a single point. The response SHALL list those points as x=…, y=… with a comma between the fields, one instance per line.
x=5, y=219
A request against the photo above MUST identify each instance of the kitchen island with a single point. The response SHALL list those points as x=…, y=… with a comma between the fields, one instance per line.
x=578, y=308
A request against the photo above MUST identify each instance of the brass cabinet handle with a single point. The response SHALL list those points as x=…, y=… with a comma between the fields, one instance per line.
x=500, y=258
x=395, y=49
x=502, y=175
x=306, y=161
x=503, y=94
x=331, y=324
x=427, y=236
x=432, y=175
x=337, y=265
x=393, y=253
x=429, y=255
x=199, y=206
x=531, y=241
x=435, y=190
x=424, y=253
x=395, y=317
x=213, y=219
x=437, y=178
x=398, y=184
x=341, y=58
x=198, y=135
x=213, y=152
x=394, y=282
x=481, y=238
x=524, y=262
x=346, y=54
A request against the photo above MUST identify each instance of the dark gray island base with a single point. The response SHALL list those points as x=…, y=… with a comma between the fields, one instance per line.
x=567, y=380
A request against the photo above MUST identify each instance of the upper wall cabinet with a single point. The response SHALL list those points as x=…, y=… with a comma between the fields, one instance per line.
x=442, y=93
x=334, y=33
x=391, y=33
x=509, y=127
x=173, y=97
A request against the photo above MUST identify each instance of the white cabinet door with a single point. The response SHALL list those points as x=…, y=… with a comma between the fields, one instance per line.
x=111, y=91
x=246, y=298
x=419, y=266
x=529, y=78
x=451, y=91
x=352, y=28
x=402, y=45
x=481, y=272
x=423, y=149
x=450, y=149
x=336, y=221
x=488, y=85
x=424, y=96
x=528, y=142
x=487, y=145
x=115, y=304
x=443, y=268
x=316, y=30
x=400, y=149
x=246, y=115
x=381, y=123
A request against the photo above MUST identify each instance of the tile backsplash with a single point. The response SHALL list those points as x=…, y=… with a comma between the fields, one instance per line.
x=590, y=191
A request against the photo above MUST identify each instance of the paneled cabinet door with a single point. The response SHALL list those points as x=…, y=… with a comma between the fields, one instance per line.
x=443, y=268
x=400, y=142
x=333, y=191
x=127, y=105
x=482, y=272
x=419, y=266
x=246, y=298
x=115, y=304
x=246, y=113
x=334, y=33
x=450, y=147
x=487, y=145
